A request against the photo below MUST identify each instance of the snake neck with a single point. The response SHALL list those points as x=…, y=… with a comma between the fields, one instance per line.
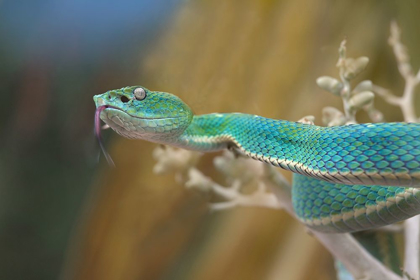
x=249, y=133
x=210, y=132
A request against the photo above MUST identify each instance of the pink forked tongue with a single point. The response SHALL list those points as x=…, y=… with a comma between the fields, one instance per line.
x=98, y=134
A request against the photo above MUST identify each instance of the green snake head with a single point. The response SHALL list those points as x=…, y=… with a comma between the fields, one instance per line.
x=138, y=113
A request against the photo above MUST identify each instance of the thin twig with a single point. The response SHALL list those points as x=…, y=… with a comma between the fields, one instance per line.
x=387, y=95
x=406, y=70
x=232, y=195
x=400, y=51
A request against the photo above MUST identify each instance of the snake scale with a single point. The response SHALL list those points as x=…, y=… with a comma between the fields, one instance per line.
x=346, y=178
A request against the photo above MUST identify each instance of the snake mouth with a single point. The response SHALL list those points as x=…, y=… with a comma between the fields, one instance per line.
x=133, y=116
x=98, y=126
x=98, y=129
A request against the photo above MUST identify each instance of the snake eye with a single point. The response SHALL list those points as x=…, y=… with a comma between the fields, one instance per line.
x=139, y=93
x=124, y=99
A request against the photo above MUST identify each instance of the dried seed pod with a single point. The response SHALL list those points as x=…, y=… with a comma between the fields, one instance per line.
x=363, y=86
x=361, y=99
x=330, y=84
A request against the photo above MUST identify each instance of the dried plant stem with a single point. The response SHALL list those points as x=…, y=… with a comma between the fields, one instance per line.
x=344, y=247
x=407, y=100
x=356, y=259
x=346, y=91
x=406, y=104
x=411, y=252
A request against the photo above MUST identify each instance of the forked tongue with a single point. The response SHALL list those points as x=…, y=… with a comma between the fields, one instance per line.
x=98, y=134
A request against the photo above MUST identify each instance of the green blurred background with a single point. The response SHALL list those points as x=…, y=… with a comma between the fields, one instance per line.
x=65, y=214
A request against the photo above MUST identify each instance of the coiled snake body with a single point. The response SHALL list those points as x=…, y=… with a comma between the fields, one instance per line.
x=347, y=178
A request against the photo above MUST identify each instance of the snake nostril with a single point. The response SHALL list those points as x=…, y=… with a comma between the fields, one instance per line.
x=124, y=99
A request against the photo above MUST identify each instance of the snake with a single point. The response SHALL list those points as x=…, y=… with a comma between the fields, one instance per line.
x=346, y=178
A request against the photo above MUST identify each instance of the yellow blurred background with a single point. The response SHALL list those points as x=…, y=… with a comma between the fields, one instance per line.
x=259, y=57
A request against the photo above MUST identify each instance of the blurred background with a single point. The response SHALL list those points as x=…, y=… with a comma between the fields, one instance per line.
x=64, y=214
